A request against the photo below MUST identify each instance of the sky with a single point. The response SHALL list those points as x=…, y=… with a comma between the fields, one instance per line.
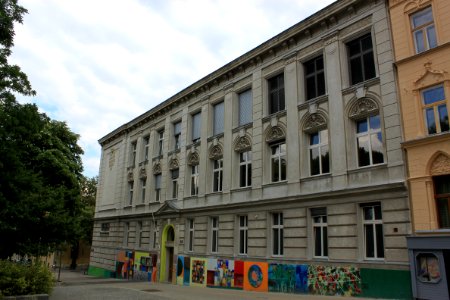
x=97, y=64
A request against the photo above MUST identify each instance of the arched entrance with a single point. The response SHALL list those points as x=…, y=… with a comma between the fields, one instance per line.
x=167, y=253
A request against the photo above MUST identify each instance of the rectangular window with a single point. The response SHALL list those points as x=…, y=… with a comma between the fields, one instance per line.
x=442, y=196
x=143, y=186
x=217, y=175
x=314, y=78
x=278, y=159
x=320, y=232
x=191, y=235
x=160, y=142
x=319, y=158
x=423, y=31
x=133, y=154
x=369, y=141
x=158, y=187
x=360, y=54
x=276, y=94
x=175, y=174
x=194, y=180
x=245, y=169
x=435, y=110
x=155, y=234
x=126, y=234
x=243, y=234
x=373, y=231
x=215, y=235
x=277, y=234
x=130, y=192
x=177, y=135
x=219, y=117
x=105, y=227
x=146, y=144
x=139, y=233
x=245, y=107
x=196, y=124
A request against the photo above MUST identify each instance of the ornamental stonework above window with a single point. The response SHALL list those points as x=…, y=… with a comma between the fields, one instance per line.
x=275, y=133
x=216, y=152
x=315, y=122
x=362, y=108
x=157, y=169
x=243, y=144
x=193, y=159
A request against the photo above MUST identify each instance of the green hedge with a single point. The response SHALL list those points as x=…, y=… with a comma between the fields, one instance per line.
x=20, y=279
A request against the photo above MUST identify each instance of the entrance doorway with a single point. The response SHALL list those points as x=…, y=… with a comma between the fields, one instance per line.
x=167, y=254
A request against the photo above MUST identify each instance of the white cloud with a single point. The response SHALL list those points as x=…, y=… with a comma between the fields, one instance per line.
x=97, y=64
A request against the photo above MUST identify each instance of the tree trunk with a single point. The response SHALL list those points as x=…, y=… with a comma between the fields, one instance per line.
x=74, y=249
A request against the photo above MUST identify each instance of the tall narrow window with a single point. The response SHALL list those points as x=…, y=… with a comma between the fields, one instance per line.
x=196, y=124
x=442, y=196
x=278, y=159
x=369, y=141
x=435, y=110
x=314, y=78
x=214, y=235
x=319, y=217
x=146, y=144
x=130, y=192
x=276, y=94
x=194, y=180
x=217, y=175
x=191, y=235
x=139, y=234
x=133, y=154
x=319, y=158
x=158, y=187
x=175, y=174
x=277, y=234
x=177, y=135
x=143, y=187
x=245, y=169
x=126, y=233
x=245, y=107
x=423, y=31
x=155, y=234
x=219, y=115
x=160, y=142
x=362, y=65
x=243, y=234
x=373, y=231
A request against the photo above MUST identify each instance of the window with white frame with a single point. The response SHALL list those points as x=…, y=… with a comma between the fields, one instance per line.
x=423, y=30
x=196, y=124
x=139, y=233
x=243, y=234
x=276, y=94
x=314, y=77
x=245, y=107
x=214, y=235
x=320, y=232
x=217, y=175
x=219, y=117
x=190, y=235
x=146, y=147
x=373, y=231
x=130, y=192
x=133, y=154
x=277, y=234
x=175, y=173
x=245, y=169
x=194, y=180
x=143, y=187
x=435, y=109
x=155, y=234
x=126, y=233
x=158, y=178
x=369, y=141
x=319, y=158
x=177, y=135
x=160, y=142
x=361, y=60
x=278, y=162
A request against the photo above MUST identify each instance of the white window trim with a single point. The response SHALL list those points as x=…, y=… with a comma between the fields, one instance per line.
x=219, y=171
x=215, y=234
x=194, y=177
x=247, y=164
x=317, y=146
x=321, y=225
x=369, y=133
x=280, y=228
x=243, y=229
x=191, y=235
x=279, y=156
x=373, y=223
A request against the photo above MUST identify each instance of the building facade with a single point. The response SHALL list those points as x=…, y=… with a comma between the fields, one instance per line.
x=281, y=171
x=421, y=35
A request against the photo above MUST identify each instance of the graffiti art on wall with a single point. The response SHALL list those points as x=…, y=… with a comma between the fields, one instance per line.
x=220, y=273
x=136, y=265
x=198, y=271
x=288, y=278
x=255, y=276
x=334, y=281
x=180, y=270
x=187, y=270
x=124, y=264
x=238, y=274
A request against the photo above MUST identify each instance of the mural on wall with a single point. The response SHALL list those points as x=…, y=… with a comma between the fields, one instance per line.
x=238, y=274
x=136, y=265
x=220, y=273
x=288, y=278
x=180, y=270
x=334, y=281
x=124, y=264
x=198, y=272
x=255, y=276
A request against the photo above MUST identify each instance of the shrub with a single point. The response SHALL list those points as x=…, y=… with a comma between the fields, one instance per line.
x=20, y=279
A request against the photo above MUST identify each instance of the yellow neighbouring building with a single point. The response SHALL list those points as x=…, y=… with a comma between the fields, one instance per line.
x=421, y=36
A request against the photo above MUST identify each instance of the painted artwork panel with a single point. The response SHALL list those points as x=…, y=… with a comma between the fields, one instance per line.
x=225, y=273
x=124, y=264
x=198, y=272
x=256, y=276
x=286, y=278
x=334, y=281
x=142, y=268
x=180, y=270
x=187, y=270
x=238, y=274
x=211, y=271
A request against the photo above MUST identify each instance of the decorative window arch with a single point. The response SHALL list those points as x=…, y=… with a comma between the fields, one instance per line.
x=193, y=159
x=314, y=122
x=362, y=108
x=157, y=168
x=174, y=164
x=243, y=144
x=439, y=164
x=216, y=152
x=275, y=133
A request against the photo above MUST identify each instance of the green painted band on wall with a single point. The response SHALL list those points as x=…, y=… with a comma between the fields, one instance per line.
x=381, y=283
x=100, y=272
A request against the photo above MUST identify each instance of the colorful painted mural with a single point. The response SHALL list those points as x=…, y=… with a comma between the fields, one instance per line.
x=220, y=273
x=255, y=276
x=124, y=264
x=288, y=278
x=137, y=265
x=198, y=272
x=334, y=281
x=239, y=274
